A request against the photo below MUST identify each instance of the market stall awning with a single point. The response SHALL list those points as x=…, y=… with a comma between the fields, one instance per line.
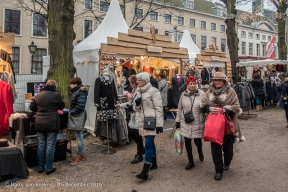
x=187, y=42
x=261, y=63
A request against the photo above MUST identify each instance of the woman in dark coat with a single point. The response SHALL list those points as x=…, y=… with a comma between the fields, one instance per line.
x=77, y=106
x=258, y=84
x=47, y=123
x=283, y=103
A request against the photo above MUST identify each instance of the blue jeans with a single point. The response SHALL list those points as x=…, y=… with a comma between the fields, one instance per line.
x=46, y=149
x=79, y=135
x=150, y=149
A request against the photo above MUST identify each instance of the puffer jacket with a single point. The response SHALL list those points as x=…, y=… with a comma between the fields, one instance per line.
x=46, y=105
x=257, y=85
x=151, y=105
x=78, y=99
x=194, y=129
x=163, y=88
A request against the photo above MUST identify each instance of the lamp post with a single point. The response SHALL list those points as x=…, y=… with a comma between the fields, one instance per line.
x=32, y=49
x=175, y=34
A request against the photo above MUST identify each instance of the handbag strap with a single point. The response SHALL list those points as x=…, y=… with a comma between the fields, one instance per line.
x=192, y=102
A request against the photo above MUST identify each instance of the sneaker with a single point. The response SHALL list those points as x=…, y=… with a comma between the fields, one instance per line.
x=77, y=160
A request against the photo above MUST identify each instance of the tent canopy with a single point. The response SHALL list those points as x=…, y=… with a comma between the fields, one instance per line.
x=187, y=42
x=261, y=63
x=114, y=22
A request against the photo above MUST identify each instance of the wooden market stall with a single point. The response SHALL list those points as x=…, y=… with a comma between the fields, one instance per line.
x=213, y=57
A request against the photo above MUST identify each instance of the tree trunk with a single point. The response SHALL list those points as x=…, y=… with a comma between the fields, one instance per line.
x=282, y=47
x=232, y=39
x=61, y=36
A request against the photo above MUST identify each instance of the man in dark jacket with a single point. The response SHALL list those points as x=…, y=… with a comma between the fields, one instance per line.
x=153, y=81
x=47, y=123
x=258, y=88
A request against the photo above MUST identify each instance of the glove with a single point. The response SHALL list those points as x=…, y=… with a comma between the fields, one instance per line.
x=159, y=130
x=130, y=108
x=138, y=101
x=177, y=125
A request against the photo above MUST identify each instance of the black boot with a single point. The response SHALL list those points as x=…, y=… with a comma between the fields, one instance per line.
x=145, y=172
x=138, y=158
x=191, y=163
x=154, y=163
x=201, y=156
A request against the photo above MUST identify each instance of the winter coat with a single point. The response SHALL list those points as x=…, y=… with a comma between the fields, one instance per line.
x=257, y=85
x=78, y=99
x=176, y=93
x=46, y=105
x=153, y=82
x=194, y=129
x=229, y=101
x=163, y=88
x=283, y=90
x=205, y=76
x=151, y=105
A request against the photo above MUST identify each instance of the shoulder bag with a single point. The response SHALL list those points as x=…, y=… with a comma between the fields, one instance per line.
x=76, y=122
x=189, y=115
x=230, y=128
x=149, y=122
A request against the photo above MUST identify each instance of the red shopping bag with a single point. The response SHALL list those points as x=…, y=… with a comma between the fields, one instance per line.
x=230, y=128
x=215, y=127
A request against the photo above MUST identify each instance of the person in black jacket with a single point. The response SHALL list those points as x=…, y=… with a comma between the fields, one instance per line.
x=258, y=84
x=77, y=106
x=153, y=81
x=47, y=123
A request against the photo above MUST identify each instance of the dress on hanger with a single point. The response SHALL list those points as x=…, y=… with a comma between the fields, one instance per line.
x=7, y=77
x=148, y=69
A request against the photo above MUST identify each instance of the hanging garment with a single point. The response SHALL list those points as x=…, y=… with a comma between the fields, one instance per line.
x=7, y=77
x=6, y=57
x=206, y=75
x=105, y=97
x=176, y=93
x=6, y=106
x=148, y=69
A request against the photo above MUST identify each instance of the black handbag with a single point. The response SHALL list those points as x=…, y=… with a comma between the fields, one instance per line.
x=149, y=122
x=76, y=122
x=189, y=117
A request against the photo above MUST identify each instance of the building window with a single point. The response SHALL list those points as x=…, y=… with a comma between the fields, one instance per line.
x=264, y=37
x=203, y=25
x=258, y=50
x=203, y=42
x=250, y=48
x=215, y=40
x=222, y=28
x=264, y=50
x=12, y=21
x=192, y=22
x=166, y=33
x=156, y=30
x=257, y=36
x=269, y=38
x=219, y=12
x=180, y=20
x=104, y=6
x=250, y=35
x=39, y=25
x=193, y=37
x=243, y=46
x=190, y=4
x=88, y=4
x=16, y=59
x=138, y=13
x=87, y=28
x=167, y=18
x=138, y=28
x=213, y=26
x=243, y=34
x=154, y=16
x=223, y=45
x=38, y=61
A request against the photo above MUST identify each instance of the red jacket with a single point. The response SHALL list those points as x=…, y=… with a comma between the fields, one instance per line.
x=6, y=106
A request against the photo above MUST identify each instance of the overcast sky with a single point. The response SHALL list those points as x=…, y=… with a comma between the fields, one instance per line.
x=248, y=6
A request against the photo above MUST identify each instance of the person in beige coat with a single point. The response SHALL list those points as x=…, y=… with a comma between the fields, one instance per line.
x=190, y=100
x=221, y=95
x=148, y=104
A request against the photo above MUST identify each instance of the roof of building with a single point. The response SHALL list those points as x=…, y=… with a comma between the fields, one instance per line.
x=271, y=15
x=204, y=6
x=177, y=3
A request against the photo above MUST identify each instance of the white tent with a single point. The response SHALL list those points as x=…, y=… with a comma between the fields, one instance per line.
x=86, y=54
x=187, y=42
x=261, y=63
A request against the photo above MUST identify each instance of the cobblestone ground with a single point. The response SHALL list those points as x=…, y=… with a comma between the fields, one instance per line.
x=259, y=164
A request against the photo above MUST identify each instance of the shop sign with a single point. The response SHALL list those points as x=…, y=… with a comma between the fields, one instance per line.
x=215, y=58
x=154, y=49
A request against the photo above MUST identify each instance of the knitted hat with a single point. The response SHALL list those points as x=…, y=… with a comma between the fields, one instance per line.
x=191, y=79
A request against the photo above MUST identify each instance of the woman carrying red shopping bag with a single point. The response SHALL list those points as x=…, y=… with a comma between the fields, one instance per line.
x=221, y=97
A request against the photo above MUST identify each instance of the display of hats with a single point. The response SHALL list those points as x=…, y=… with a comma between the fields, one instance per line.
x=126, y=63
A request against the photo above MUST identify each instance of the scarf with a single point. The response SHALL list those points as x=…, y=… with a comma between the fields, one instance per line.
x=192, y=92
x=218, y=92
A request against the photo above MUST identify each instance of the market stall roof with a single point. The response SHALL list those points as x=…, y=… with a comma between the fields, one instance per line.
x=187, y=42
x=114, y=22
x=261, y=63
